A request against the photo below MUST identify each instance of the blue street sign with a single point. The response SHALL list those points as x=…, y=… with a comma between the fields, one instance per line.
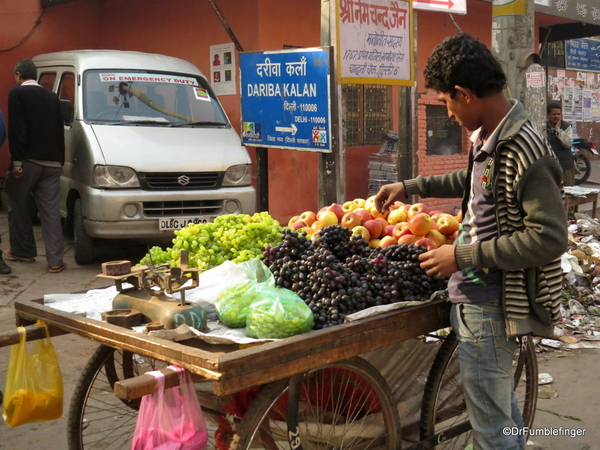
x=285, y=99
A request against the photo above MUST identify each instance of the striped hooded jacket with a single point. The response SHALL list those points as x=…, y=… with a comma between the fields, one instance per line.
x=531, y=219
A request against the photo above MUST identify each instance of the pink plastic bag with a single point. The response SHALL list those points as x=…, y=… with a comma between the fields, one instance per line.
x=171, y=419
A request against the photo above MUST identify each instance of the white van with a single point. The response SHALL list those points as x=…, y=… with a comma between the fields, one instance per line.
x=149, y=148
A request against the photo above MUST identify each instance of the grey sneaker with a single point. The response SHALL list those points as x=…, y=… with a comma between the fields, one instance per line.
x=4, y=269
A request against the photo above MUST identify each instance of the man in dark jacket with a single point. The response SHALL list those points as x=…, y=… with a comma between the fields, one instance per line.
x=37, y=150
x=560, y=138
x=4, y=269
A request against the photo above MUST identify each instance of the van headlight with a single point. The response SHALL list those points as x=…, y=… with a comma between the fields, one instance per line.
x=240, y=175
x=115, y=177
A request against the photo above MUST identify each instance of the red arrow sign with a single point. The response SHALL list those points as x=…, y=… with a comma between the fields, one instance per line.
x=447, y=3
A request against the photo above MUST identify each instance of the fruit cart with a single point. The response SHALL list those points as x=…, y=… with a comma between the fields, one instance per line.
x=308, y=391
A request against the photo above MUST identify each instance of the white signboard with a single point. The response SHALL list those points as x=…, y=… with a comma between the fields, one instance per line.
x=222, y=69
x=448, y=6
x=375, y=42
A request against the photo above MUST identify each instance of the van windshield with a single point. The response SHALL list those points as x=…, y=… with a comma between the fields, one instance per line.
x=149, y=97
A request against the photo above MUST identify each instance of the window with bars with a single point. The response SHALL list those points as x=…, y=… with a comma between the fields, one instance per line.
x=367, y=113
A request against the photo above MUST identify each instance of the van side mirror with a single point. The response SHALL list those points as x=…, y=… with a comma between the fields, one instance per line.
x=67, y=111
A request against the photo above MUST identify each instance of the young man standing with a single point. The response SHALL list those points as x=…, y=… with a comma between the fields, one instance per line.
x=560, y=138
x=505, y=270
x=37, y=152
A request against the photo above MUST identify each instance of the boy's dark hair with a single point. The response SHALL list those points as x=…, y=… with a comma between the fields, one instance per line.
x=461, y=60
x=553, y=105
x=27, y=69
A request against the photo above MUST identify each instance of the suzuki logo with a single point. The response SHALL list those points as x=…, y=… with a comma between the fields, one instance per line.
x=183, y=180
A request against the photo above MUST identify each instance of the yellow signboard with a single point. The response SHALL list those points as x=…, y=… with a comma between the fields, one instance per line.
x=509, y=7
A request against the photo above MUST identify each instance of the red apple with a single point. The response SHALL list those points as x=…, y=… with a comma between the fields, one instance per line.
x=327, y=218
x=427, y=243
x=374, y=227
x=308, y=217
x=435, y=214
x=438, y=238
x=420, y=224
x=408, y=239
x=374, y=243
x=364, y=215
x=384, y=223
x=388, y=230
x=417, y=208
x=350, y=220
x=337, y=210
x=387, y=240
x=361, y=231
x=298, y=224
x=400, y=229
x=377, y=214
x=447, y=224
x=454, y=236
x=292, y=220
x=397, y=215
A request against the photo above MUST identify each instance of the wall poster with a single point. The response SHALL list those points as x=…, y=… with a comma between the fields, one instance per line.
x=222, y=69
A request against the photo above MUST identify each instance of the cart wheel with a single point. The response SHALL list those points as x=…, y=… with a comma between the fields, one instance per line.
x=346, y=405
x=444, y=417
x=97, y=418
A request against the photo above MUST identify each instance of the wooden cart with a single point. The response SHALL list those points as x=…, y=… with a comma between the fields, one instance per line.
x=308, y=391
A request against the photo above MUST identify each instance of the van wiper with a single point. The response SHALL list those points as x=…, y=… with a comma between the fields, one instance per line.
x=202, y=122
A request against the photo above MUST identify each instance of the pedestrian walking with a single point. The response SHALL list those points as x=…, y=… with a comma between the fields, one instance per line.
x=4, y=268
x=37, y=151
x=504, y=267
x=560, y=138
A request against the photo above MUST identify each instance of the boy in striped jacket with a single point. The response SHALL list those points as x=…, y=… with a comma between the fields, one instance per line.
x=505, y=275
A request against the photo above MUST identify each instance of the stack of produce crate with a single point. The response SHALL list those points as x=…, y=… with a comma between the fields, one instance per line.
x=382, y=165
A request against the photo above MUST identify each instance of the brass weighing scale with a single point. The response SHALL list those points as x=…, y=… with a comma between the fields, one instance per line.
x=149, y=289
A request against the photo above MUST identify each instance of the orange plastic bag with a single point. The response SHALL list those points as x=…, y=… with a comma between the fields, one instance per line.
x=34, y=388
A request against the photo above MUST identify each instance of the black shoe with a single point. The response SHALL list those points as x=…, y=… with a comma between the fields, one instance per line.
x=4, y=269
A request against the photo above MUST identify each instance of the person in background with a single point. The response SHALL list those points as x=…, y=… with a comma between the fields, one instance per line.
x=4, y=268
x=504, y=267
x=560, y=138
x=37, y=151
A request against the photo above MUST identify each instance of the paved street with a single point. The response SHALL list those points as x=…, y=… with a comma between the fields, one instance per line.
x=574, y=401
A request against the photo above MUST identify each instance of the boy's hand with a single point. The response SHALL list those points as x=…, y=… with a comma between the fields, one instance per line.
x=440, y=262
x=388, y=194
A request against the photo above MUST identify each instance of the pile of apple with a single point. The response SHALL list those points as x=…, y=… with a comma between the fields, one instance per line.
x=403, y=223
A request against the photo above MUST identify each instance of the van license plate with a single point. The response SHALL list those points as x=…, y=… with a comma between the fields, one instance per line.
x=181, y=222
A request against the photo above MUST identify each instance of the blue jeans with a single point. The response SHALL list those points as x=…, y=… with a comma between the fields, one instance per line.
x=485, y=356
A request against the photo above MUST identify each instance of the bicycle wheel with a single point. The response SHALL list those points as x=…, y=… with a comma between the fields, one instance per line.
x=583, y=168
x=444, y=421
x=97, y=419
x=344, y=405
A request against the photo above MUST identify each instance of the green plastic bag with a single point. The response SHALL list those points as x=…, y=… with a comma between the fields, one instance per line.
x=279, y=314
x=232, y=303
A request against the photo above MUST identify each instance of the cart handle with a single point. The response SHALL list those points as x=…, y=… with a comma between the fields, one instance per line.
x=32, y=333
x=137, y=387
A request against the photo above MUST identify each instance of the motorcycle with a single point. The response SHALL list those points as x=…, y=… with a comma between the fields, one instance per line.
x=583, y=167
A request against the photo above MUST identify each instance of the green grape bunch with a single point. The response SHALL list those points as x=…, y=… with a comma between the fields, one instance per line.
x=231, y=237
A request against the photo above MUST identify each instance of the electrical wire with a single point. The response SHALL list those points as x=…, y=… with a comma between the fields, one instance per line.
x=455, y=24
x=37, y=22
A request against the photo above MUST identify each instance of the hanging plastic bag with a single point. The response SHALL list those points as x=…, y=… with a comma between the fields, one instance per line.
x=34, y=388
x=232, y=303
x=278, y=314
x=171, y=419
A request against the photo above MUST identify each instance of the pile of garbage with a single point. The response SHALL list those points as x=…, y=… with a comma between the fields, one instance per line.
x=580, y=308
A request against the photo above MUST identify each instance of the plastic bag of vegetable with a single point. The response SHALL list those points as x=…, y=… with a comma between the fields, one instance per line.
x=232, y=302
x=278, y=314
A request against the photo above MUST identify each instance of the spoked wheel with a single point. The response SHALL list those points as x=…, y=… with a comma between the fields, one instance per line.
x=583, y=168
x=444, y=421
x=346, y=405
x=97, y=418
